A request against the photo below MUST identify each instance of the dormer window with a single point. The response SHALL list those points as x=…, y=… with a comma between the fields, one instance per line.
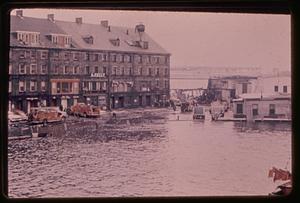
x=61, y=40
x=115, y=42
x=141, y=44
x=28, y=37
x=88, y=39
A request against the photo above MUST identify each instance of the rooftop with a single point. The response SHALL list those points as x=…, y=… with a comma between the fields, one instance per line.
x=255, y=96
x=103, y=35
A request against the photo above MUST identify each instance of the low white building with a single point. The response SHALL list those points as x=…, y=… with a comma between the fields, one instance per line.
x=276, y=106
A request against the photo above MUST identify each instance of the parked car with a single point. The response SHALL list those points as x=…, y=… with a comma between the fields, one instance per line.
x=199, y=113
x=82, y=109
x=16, y=116
x=46, y=115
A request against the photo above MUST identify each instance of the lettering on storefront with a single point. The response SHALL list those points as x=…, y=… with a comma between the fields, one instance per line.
x=97, y=75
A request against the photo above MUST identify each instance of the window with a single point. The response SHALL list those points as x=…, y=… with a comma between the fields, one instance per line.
x=94, y=86
x=33, y=69
x=55, y=54
x=33, y=54
x=27, y=54
x=28, y=37
x=66, y=56
x=66, y=87
x=130, y=70
x=96, y=69
x=56, y=69
x=275, y=88
x=150, y=72
x=104, y=69
x=22, y=68
x=166, y=71
x=76, y=70
x=103, y=85
x=86, y=56
x=272, y=109
x=114, y=70
x=44, y=55
x=254, y=109
x=22, y=54
x=85, y=85
x=244, y=88
x=68, y=70
x=285, y=89
x=87, y=70
x=33, y=86
x=113, y=58
x=121, y=58
x=166, y=83
x=43, y=86
x=239, y=108
x=138, y=59
x=104, y=57
x=43, y=69
x=75, y=56
x=157, y=71
x=21, y=86
x=96, y=57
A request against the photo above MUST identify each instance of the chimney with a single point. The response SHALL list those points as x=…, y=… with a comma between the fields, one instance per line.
x=51, y=17
x=19, y=13
x=104, y=23
x=79, y=20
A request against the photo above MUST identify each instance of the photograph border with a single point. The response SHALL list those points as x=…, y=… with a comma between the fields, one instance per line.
x=225, y=6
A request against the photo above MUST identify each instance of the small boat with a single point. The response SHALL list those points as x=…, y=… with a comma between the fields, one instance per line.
x=284, y=175
x=283, y=189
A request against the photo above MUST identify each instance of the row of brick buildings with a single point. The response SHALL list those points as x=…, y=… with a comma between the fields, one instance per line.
x=55, y=63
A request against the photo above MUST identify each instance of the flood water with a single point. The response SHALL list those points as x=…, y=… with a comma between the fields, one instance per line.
x=182, y=158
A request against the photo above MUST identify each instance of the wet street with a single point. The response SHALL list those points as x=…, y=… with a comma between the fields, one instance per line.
x=149, y=153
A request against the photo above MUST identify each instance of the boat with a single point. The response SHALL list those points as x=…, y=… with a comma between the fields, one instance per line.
x=283, y=189
x=284, y=175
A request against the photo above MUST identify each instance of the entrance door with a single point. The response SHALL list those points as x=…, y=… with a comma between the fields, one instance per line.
x=121, y=102
x=141, y=100
x=113, y=102
x=20, y=105
x=53, y=102
x=148, y=100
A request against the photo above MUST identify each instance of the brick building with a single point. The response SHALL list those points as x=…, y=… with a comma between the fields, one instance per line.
x=55, y=63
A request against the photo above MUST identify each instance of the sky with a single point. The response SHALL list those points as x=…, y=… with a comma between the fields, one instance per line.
x=202, y=39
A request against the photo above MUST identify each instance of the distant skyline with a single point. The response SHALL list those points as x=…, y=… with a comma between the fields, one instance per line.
x=202, y=39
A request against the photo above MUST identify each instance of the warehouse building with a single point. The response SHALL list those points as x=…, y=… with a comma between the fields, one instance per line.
x=58, y=63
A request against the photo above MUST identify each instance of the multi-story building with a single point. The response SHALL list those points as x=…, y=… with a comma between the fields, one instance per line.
x=58, y=63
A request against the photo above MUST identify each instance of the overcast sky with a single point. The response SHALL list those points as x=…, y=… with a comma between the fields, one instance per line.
x=202, y=39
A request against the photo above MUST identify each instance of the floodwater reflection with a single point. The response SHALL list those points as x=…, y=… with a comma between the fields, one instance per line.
x=154, y=158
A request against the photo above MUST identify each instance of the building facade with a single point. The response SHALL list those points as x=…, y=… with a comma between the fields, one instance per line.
x=58, y=63
x=262, y=106
x=229, y=87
